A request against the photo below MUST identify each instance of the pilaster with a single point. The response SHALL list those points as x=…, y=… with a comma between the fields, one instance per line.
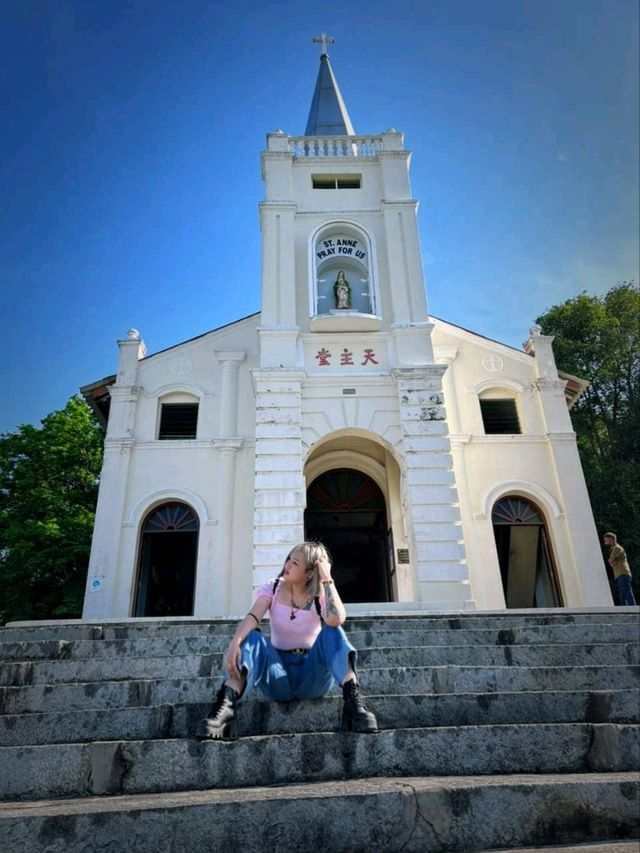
x=280, y=497
x=226, y=450
x=430, y=495
x=102, y=580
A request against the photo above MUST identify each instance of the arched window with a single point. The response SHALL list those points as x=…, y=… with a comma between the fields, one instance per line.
x=526, y=562
x=342, y=272
x=167, y=564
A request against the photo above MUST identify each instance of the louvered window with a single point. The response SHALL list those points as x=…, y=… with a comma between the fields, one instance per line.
x=178, y=420
x=336, y=182
x=500, y=416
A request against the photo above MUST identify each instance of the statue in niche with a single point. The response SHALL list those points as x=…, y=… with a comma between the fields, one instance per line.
x=342, y=291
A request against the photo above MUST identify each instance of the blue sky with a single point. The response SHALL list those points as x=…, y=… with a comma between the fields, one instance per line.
x=129, y=161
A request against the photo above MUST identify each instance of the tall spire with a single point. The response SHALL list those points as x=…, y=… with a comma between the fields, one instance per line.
x=328, y=115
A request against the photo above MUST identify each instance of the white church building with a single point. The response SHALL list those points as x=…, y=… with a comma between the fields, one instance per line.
x=439, y=467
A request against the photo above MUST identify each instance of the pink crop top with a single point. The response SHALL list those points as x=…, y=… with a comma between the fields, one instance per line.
x=287, y=633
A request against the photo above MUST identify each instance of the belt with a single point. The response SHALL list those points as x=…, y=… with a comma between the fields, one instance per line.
x=293, y=651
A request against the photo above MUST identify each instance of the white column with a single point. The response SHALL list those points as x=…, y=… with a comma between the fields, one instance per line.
x=280, y=496
x=410, y=327
x=430, y=491
x=278, y=330
x=214, y=593
x=102, y=580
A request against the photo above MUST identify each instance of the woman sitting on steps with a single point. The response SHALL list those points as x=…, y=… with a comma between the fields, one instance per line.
x=308, y=654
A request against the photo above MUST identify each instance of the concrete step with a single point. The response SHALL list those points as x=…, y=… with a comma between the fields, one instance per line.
x=258, y=716
x=148, y=766
x=21, y=673
x=386, y=680
x=123, y=629
x=607, y=847
x=157, y=643
x=348, y=816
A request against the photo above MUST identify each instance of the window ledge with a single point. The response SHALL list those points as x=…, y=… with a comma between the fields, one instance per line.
x=340, y=320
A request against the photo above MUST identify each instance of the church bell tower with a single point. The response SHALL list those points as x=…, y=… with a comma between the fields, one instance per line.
x=346, y=358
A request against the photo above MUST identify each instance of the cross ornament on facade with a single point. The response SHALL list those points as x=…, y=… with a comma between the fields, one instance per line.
x=323, y=39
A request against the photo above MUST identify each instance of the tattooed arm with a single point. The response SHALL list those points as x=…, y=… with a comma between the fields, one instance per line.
x=332, y=607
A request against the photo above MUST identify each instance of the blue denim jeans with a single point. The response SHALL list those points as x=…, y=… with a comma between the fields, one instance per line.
x=624, y=592
x=283, y=676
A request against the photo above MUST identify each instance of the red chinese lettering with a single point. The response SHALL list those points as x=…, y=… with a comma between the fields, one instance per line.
x=346, y=357
x=369, y=358
x=323, y=357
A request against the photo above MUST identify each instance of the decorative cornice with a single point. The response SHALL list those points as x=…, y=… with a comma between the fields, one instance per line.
x=233, y=444
x=449, y=354
x=191, y=444
x=413, y=328
x=280, y=373
x=126, y=393
x=277, y=205
x=508, y=439
x=568, y=437
x=399, y=202
x=120, y=444
x=424, y=371
x=234, y=356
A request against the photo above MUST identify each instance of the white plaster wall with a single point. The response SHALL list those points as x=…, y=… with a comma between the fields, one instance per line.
x=189, y=470
x=491, y=466
x=308, y=199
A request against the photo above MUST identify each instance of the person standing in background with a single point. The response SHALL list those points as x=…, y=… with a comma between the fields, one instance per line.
x=621, y=571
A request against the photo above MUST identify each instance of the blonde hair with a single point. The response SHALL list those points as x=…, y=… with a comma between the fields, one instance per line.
x=311, y=552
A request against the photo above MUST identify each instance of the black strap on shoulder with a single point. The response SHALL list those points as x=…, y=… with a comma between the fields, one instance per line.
x=316, y=600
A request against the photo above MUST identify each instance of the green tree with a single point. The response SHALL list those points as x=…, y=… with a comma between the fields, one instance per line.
x=598, y=339
x=48, y=491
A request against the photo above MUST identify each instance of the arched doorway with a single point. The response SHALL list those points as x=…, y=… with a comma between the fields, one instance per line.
x=526, y=562
x=346, y=511
x=167, y=564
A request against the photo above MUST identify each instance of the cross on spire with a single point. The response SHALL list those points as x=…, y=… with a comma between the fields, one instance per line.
x=323, y=39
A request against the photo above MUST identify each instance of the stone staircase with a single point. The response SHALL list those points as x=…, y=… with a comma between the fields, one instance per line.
x=498, y=731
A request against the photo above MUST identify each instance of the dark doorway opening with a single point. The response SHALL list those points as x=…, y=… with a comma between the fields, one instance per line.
x=167, y=565
x=526, y=563
x=346, y=511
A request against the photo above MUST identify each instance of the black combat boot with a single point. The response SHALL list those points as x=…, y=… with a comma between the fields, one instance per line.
x=355, y=717
x=221, y=723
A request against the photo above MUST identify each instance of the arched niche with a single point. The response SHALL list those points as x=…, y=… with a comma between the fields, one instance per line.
x=343, y=293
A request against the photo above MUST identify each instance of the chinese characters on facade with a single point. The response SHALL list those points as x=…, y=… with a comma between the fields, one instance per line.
x=344, y=357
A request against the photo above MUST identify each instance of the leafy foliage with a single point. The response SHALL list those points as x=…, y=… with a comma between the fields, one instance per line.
x=48, y=491
x=598, y=338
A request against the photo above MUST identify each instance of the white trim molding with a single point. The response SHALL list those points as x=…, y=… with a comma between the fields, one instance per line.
x=525, y=489
x=147, y=503
x=496, y=382
x=179, y=388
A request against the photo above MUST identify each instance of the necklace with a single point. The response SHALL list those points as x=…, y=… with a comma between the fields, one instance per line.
x=294, y=608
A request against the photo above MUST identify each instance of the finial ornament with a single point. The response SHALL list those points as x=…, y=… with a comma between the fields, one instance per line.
x=323, y=39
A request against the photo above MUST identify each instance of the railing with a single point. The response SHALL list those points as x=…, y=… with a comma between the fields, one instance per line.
x=335, y=146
